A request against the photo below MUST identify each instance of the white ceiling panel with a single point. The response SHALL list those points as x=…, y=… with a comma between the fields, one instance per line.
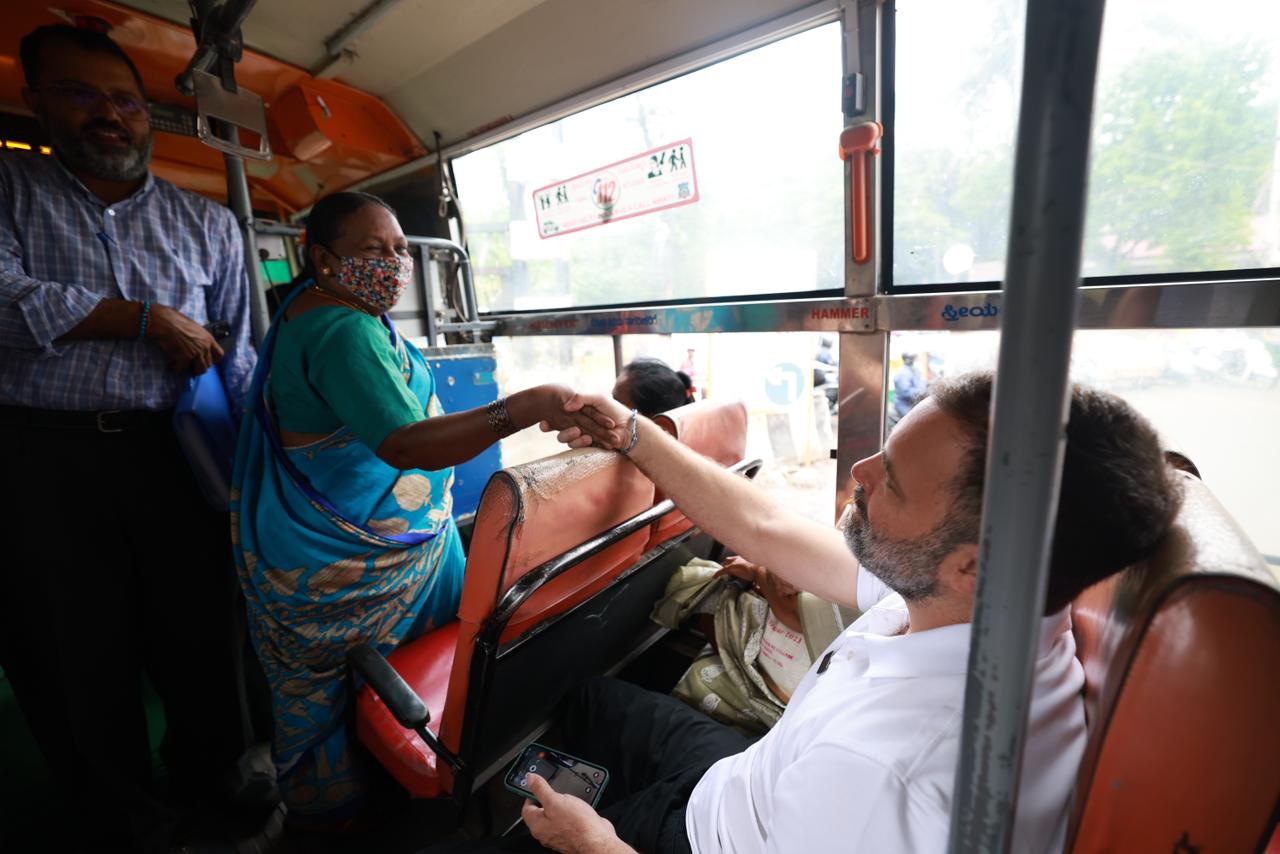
x=560, y=48
x=455, y=65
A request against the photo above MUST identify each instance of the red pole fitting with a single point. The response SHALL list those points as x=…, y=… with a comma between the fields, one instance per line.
x=857, y=145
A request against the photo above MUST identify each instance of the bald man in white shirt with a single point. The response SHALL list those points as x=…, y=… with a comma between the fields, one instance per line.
x=864, y=757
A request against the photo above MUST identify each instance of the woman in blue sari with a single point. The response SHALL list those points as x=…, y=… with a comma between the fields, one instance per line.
x=341, y=505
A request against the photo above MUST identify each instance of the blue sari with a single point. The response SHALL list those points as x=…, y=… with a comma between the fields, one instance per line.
x=334, y=547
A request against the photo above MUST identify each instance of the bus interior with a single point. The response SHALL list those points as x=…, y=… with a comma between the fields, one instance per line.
x=831, y=192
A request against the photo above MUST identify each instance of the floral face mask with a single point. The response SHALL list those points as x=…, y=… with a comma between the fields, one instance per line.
x=376, y=281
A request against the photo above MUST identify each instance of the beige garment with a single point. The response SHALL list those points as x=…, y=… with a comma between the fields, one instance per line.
x=728, y=685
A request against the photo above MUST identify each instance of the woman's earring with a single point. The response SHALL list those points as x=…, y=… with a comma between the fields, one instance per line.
x=326, y=271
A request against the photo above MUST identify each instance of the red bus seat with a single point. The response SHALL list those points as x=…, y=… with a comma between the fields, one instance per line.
x=715, y=429
x=528, y=515
x=1181, y=656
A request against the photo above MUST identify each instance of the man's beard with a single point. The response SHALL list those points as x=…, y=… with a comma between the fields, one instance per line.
x=81, y=153
x=908, y=566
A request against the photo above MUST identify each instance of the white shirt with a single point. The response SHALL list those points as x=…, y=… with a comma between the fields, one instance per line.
x=864, y=758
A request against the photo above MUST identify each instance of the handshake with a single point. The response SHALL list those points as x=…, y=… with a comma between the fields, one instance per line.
x=582, y=420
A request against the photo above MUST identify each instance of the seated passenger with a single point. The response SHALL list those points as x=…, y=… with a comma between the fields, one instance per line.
x=764, y=635
x=864, y=758
x=341, y=506
x=650, y=387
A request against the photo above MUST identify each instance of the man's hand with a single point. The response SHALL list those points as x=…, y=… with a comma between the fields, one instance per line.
x=568, y=824
x=191, y=348
x=780, y=595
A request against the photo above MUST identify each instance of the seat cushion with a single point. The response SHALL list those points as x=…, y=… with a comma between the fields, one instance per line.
x=425, y=663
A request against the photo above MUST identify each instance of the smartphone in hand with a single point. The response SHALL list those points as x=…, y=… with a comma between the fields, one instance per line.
x=567, y=774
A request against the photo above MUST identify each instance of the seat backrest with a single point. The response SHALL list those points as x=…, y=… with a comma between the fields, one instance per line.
x=528, y=515
x=1181, y=655
x=716, y=429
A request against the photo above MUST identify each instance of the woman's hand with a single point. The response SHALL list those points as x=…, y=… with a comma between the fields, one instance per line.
x=593, y=409
x=579, y=426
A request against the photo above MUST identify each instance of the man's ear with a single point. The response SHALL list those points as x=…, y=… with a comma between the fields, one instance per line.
x=959, y=571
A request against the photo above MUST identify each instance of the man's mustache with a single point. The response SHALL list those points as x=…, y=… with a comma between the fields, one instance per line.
x=106, y=125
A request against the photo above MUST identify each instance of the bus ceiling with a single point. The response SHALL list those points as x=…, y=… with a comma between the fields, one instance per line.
x=353, y=87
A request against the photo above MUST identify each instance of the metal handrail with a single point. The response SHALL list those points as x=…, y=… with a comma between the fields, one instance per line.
x=1029, y=413
x=469, y=310
x=533, y=580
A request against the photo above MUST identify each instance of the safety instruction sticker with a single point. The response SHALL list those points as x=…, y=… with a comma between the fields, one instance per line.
x=656, y=180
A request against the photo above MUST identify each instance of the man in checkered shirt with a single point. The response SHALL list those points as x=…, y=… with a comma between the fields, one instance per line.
x=113, y=562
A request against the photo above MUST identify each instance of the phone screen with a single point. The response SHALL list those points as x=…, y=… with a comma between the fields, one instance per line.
x=568, y=775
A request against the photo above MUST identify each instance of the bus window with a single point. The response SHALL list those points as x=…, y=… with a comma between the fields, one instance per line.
x=756, y=209
x=583, y=362
x=1213, y=394
x=1183, y=171
x=789, y=398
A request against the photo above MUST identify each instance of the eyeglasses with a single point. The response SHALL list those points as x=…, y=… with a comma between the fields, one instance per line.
x=88, y=98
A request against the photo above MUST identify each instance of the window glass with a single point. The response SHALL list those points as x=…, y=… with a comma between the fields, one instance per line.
x=747, y=148
x=1212, y=394
x=791, y=422
x=1183, y=170
x=582, y=362
x=790, y=398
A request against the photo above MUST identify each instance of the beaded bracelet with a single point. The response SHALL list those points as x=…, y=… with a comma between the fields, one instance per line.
x=635, y=434
x=500, y=418
x=146, y=319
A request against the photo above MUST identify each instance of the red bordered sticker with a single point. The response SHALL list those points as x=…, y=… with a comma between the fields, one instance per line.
x=659, y=179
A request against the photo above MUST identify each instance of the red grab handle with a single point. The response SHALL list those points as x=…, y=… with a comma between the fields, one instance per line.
x=857, y=144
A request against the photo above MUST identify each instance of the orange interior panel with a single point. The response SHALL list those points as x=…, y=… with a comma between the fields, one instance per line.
x=324, y=135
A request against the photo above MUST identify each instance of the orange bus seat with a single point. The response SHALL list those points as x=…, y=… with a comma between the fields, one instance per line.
x=528, y=515
x=1181, y=655
x=715, y=429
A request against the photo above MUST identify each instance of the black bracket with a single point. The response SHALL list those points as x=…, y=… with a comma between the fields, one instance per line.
x=853, y=96
x=401, y=700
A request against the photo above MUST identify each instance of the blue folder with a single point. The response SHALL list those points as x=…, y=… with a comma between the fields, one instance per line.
x=207, y=431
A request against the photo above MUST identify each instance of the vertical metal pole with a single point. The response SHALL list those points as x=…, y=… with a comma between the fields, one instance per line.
x=617, y=355
x=861, y=31
x=428, y=294
x=239, y=200
x=863, y=356
x=860, y=410
x=1030, y=408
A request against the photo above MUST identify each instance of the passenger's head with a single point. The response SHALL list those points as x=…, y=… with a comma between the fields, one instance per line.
x=908, y=359
x=918, y=503
x=354, y=244
x=88, y=95
x=650, y=386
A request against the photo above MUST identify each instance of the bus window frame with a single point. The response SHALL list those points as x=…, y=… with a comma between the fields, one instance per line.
x=890, y=286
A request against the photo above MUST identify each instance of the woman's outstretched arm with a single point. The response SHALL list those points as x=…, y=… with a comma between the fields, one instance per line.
x=448, y=440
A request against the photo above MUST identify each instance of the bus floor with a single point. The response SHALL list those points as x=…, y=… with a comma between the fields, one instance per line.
x=33, y=814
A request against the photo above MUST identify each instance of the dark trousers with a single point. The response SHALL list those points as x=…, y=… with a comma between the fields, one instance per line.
x=655, y=748
x=114, y=564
